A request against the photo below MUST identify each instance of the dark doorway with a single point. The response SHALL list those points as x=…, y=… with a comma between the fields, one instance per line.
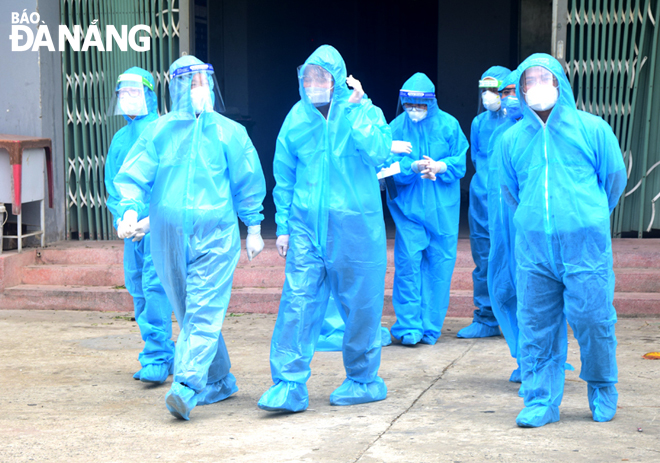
x=256, y=47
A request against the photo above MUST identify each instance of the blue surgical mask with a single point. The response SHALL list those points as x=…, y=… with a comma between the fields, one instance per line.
x=511, y=105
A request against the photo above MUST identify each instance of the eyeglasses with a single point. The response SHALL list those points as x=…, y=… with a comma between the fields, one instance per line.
x=129, y=91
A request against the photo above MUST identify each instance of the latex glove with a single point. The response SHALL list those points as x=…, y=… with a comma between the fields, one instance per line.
x=141, y=229
x=399, y=146
x=126, y=226
x=433, y=168
x=358, y=93
x=254, y=244
x=418, y=166
x=282, y=244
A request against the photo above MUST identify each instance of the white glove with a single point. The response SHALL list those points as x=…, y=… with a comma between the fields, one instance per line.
x=141, y=229
x=126, y=226
x=418, y=166
x=253, y=243
x=358, y=93
x=282, y=244
x=399, y=146
x=433, y=168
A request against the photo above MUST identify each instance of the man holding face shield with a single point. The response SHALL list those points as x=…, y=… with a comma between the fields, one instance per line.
x=484, y=323
x=563, y=171
x=330, y=225
x=202, y=171
x=136, y=101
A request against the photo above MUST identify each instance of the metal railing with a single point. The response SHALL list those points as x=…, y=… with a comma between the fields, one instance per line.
x=611, y=61
x=88, y=85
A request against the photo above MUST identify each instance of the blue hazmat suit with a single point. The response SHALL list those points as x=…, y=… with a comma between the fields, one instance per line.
x=328, y=200
x=202, y=172
x=426, y=214
x=153, y=312
x=331, y=338
x=484, y=323
x=566, y=177
x=502, y=232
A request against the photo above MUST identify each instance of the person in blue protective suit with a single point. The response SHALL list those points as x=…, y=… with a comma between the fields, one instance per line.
x=501, y=230
x=426, y=211
x=330, y=225
x=484, y=323
x=202, y=171
x=564, y=170
x=137, y=103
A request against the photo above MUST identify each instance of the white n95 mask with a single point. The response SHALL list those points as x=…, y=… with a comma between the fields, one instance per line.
x=491, y=101
x=200, y=99
x=542, y=97
x=416, y=114
x=319, y=96
x=131, y=106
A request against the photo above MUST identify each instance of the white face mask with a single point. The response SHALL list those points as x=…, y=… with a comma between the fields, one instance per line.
x=201, y=99
x=132, y=106
x=491, y=101
x=542, y=97
x=416, y=114
x=319, y=96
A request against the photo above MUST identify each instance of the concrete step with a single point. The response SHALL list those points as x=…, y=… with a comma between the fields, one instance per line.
x=78, y=274
x=637, y=280
x=253, y=300
x=87, y=253
x=635, y=253
x=637, y=304
x=273, y=277
x=54, y=297
x=112, y=252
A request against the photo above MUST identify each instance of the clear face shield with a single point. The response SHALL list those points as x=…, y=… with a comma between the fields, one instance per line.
x=318, y=84
x=129, y=99
x=489, y=97
x=540, y=88
x=415, y=104
x=197, y=89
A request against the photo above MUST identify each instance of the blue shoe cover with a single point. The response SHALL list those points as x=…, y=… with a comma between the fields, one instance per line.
x=352, y=393
x=136, y=376
x=155, y=373
x=602, y=402
x=478, y=330
x=285, y=397
x=385, y=337
x=536, y=416
x=430, y=340
x=410, y=339
x=180, y=401
x=220, y=390
x=516, y=376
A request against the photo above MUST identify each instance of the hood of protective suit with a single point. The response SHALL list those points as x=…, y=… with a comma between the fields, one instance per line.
x=329, y=59
x=419, y=82
x=497, y=72
x=180, y=86
x=565, y=108
x=150, y=97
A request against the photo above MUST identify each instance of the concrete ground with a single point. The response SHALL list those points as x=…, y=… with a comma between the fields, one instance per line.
x=67, y=394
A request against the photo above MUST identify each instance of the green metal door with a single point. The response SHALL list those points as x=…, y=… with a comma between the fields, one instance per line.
x=612, y=64
x=88, y=84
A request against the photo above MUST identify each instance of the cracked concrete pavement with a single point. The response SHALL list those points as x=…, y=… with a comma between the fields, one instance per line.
x=67, y=394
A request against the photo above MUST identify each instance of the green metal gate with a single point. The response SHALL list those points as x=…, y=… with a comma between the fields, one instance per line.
x=88, y=84
x=612, y=64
